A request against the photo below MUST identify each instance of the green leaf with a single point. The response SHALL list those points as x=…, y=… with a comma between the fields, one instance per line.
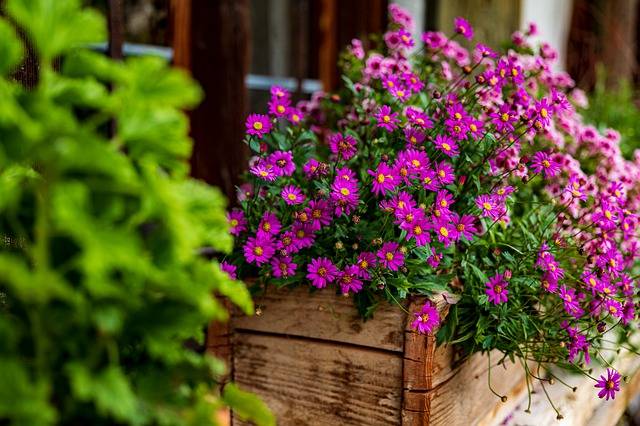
x=57, y=26
x=247, y=406
x=10, y=48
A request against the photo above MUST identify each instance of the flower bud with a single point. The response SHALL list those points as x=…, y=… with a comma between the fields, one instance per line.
x=335, y=98
x=355, y=246
x=503, y=398
x=436, y=94
x=339, y=245
x=508, y=274
x=466, y=69
x=356, y=219
x=384, y=157
x=602, y=327
x=258, y=311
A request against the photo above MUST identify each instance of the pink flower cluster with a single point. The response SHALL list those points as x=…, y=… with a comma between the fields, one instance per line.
x=412, y=173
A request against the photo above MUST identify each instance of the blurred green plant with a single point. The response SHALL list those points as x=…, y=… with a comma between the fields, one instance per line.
x=101, y=283
x=616, y=108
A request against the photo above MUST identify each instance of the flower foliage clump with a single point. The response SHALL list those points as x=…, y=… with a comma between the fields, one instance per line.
x=447, y=169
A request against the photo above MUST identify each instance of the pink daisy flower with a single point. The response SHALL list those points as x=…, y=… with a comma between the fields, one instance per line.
x=608, y=385
x=258, y=125
x=229, y=269
x=259, y=249
x=283, y=267
x=497, y=289
x=282, y=162
x=344, y=147
x=390, y=256
x=237, y=222
x=447, y=145
x=349, y=280
x=541, y=162
x=462, y=27
x=321, y=272
x=292, y=195
x=366, y=260
x=269, y=224
x=387, y=119
x=427, y=320
x=384, y=179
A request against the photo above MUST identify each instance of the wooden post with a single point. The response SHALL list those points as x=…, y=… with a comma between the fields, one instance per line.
x=220, y=33
x=116, y=28
x=180, y=22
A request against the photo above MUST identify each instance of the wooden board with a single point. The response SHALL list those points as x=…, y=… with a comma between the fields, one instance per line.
x=317, y=383
x=323, y=315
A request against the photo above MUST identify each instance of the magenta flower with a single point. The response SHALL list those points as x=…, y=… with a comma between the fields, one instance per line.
x=384, y=179
x=386, y=118
x=366, y=260
x=295, y=116
x=541, y=162
x=497, y=289
x=414, y=137
x=321, y=272
x=405, y=38
x=283, y=267
x=259, y=249
x=303, y=235
x=279, y=106
x=570, y=301
x=447, y=145
x=504, y=119
x=343, y=146
x=419, y=231
x=313, y=168
x=344, y=195
x=418, y=118
x=429, y=180
x=237, y=222
x=488, y=207
x=229, y=269
x=282, y=162
x=445, y=231
x=465, y=225
x=263, y=170
x=390, y=256
x=258, y=125
x=319, y=212
x=292, y=195
x=444, y=173
x=348, y=279
x=427, y=320
x=269, y=224
x=609, y=385
x=462, y=27
x=278, y=92
x=285, y=244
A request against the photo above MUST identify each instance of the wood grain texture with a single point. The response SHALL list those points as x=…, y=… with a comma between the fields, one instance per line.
x=317, y=383
x=582, y=407
x=324, y=315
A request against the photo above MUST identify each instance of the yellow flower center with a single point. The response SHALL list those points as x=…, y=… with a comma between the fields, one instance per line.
x=544, y=113
x=344, y=191
x=497, y=289
x=458, y=116
x=444, y=232
x=504, y=117
x=413, y=140
x=380, y=178
x=257, y=125
x=486, y=205
x=258, y=251
x=291, y=196
x=266, y=226
x=415, y=163
x=364, y=264
x=280, y=109
x=473, y=127
x=234, y=222
x=322, y=271
x=389, y=256
x=386, y=118
x=460, y=227
x=417, y=230
x=400, y=93
x=546, y=164
x=607, y=214
x=443, y=203
x=317, y=214
x=300, y=234
x=446, y=146
x=295, y=118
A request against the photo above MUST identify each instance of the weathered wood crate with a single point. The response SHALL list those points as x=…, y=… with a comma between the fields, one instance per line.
x=315, y=362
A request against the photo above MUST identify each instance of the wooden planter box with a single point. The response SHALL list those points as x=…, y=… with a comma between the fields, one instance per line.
x=315, y=362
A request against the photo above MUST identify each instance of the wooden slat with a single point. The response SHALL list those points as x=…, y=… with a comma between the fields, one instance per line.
x=328, y=48
x=316, y=383
x=325, y=315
